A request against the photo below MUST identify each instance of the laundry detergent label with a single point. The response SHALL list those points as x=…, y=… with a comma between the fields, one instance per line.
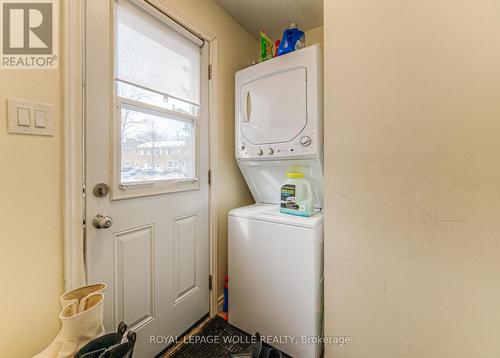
x=288, y=197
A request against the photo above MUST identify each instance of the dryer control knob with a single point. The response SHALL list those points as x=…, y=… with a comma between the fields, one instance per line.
x=260, y=152
x=270, y=151
x=305, y=141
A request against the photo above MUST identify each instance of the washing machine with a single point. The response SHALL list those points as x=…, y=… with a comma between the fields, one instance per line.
x=276, y=277
x=276, y=260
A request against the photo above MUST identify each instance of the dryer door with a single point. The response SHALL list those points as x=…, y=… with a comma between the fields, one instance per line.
x=273, y=109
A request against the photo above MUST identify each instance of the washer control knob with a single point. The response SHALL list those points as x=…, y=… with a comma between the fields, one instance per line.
x=270, y=151
x=305, y=141
x=260, y=152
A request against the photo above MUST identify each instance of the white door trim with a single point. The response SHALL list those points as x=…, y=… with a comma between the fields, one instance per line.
x=74, y=200
x=74, y=272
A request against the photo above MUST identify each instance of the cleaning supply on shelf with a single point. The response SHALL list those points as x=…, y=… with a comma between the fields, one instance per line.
x=293, y=39
x=296, y=195
x=276, y=47
x=266, y=47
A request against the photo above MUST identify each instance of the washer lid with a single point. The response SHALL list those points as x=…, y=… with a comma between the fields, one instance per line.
x=273, y=108
x=271, y=213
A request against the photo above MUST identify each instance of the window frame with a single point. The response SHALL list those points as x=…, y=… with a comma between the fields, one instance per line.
x=120, y=190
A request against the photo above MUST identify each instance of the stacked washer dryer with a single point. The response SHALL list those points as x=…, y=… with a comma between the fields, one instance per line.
x=276, y=260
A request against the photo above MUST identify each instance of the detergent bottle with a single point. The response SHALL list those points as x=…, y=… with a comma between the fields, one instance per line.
x=296, y=195
x=293, y=39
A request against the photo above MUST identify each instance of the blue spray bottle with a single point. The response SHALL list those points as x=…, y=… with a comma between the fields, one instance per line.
x=293, y=39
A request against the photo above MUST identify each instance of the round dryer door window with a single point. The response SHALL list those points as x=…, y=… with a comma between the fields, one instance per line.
x=273, y=109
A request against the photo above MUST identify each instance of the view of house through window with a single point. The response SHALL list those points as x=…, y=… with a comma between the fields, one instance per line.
x=157, y=90
x=152, y=144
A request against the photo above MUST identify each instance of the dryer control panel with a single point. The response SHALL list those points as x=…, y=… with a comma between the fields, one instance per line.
x=306, y=145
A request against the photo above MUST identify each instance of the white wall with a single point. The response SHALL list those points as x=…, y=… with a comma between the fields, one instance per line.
x=412, y=161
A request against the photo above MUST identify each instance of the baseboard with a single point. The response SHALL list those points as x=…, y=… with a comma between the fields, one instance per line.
x=220, y=302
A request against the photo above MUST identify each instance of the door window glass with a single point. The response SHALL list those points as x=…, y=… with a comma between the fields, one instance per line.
x=161, y=140
x=157, y=86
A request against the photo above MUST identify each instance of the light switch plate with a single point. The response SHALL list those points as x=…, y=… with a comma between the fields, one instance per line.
x=36, y=110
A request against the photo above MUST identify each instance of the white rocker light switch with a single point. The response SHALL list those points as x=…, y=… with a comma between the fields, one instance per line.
x=23, y=117
x=40, y=119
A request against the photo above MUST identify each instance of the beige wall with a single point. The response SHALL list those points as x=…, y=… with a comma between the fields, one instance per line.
x=314, y=36
x=236, y=50
x=412, y=161
x=31, y=248
x=31, y=245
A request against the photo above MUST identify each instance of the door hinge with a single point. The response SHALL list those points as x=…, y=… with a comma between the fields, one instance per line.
x=84, y=190
x=210, y=282
x=210, y=72
x=209, y=177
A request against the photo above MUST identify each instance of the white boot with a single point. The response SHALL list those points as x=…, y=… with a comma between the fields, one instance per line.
x=78, y=294
x=77, y=328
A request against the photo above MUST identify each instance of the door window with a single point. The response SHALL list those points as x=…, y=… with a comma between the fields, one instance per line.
x=157, y=88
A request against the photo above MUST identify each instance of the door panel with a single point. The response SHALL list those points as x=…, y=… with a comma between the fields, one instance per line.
x=134, y=281
x=274, y=108
x=155, y=256
x=185, y=258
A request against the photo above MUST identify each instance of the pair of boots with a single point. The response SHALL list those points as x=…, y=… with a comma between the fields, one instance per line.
x=81, y=321
x=255, y=350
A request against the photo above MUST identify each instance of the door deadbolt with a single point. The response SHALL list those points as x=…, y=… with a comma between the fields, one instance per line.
x=102, y=221
x=101, y=190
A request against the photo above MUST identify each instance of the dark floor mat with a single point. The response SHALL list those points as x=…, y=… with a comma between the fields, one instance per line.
x=217, y=339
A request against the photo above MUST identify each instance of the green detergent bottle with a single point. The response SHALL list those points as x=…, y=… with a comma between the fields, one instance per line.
x=296, y=195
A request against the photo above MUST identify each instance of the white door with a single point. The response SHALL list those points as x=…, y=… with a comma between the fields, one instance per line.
x=147, y=140
x=273, y=108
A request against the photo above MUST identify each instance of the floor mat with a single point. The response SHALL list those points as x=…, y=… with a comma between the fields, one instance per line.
x=217, y=339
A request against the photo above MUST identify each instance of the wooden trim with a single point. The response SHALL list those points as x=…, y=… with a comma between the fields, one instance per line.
x=213, y=189
x=74, y=268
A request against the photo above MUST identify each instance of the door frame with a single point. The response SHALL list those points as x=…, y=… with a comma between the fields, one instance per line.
x=74, y=142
